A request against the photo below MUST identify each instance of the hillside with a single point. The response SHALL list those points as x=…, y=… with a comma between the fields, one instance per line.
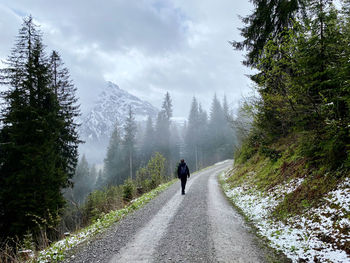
x=301, y=209
x=111, y=106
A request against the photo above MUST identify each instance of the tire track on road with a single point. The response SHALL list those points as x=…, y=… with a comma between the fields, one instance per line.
x=142, y=247
x=187, y=238
x=230, y=235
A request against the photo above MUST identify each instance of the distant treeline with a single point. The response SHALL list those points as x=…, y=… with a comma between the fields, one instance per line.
x=201, y=141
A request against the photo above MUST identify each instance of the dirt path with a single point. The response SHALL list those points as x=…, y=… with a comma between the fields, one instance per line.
x=200, y=226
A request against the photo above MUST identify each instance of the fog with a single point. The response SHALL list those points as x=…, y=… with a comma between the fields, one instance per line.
x=146, y=47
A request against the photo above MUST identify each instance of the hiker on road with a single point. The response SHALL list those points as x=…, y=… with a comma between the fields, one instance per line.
x=183, y=173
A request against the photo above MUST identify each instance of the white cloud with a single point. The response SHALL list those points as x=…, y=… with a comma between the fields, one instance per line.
x=147, y=47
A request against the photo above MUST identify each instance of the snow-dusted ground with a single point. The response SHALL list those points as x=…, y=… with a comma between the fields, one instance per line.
x=313, y=237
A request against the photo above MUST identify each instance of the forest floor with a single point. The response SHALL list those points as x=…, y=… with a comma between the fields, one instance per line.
x=201, y=226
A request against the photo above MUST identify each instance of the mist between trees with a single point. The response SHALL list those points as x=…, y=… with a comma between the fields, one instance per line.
x=140, y=157
x=45, y=191
x=202, y=141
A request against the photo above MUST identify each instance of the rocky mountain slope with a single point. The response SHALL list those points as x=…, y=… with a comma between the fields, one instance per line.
x=97, y=125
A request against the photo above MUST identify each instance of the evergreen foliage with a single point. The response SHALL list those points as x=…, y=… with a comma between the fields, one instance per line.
x=153, y=174
x=83, y=182
x=115, y=170
x=148, y=144
x=38, y=134
x=208, y=141
x=192, y=136
x=129, y=139
x=303, y=83
x=268, y=20
x=163, y=133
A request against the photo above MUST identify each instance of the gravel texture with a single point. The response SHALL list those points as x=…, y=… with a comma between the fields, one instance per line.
x=104, y=246
x=200, y=226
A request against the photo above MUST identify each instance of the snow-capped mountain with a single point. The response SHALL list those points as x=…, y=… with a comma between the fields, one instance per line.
x=111, y=105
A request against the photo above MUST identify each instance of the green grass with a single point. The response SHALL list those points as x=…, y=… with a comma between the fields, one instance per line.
x=264, y=173
x=56, y=252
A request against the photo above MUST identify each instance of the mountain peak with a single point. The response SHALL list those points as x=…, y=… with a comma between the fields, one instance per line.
x=111, y=105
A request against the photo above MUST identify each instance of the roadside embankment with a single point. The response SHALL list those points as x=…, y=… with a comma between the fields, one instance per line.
x=303, y=213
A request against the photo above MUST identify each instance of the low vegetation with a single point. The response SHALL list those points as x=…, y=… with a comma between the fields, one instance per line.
x=101, y=209
x=100, y=221
x=292, y=168
x=303, y=210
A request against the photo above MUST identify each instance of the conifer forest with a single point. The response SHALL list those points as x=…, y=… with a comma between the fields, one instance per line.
x=292, y=130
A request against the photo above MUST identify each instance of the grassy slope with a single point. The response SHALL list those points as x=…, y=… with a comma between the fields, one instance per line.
x=292, y=190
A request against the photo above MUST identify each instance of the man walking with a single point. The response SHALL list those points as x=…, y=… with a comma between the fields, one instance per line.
x=183, y=173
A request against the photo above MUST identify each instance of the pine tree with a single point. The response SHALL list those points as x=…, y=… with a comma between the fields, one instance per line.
x=129, y=139
x=93, y=177
x=114, y=163
x=68, y=110
x=100, y=181
x=82, y=181
x=204, y=150
x=216, y=123
x=32, y=169
x=227, y=132
x=268, y=20
x=167, y=107
x=302, y=81
x=163, y=131
x=148, y=146
x=175, y=144
x=192, y=136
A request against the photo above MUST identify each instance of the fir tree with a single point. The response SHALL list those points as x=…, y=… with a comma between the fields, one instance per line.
x=33, y=170
x=114, y=164
x=100, y=181
x=129, y=139
x=83, y=181
x=163, y=130
x=68, y=110
x=148, y=141
x=192, y=136
x=268, y=20
x=203, y=136
x=302, y=80
x=215, y=128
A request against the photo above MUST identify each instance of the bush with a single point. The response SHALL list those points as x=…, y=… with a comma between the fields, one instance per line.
x=153, y=174
x=270, y=153
x=101, y=202
x=129, y=190
x=244, y=153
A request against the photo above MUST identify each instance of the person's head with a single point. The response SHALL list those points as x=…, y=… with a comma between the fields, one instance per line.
x=182, y=160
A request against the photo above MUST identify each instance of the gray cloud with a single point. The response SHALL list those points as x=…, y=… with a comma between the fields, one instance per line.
x=147, y=47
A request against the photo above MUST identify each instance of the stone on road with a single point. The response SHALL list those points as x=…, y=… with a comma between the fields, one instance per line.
x=200, y=226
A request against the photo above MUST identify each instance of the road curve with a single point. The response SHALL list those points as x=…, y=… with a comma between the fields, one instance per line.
x=200, y=226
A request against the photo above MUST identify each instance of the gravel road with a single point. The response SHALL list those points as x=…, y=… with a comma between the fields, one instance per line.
x=200, y=226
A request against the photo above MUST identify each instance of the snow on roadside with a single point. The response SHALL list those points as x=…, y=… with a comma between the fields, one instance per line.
x=314, y=237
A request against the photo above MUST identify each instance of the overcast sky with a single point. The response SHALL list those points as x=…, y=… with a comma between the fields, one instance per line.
x=147, y=47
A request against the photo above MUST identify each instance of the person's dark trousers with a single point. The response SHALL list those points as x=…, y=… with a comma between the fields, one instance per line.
x=183, y=184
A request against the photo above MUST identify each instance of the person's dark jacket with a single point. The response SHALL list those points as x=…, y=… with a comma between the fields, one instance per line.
x=183, y=176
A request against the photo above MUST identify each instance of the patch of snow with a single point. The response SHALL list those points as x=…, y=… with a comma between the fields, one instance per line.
x=315, y=235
